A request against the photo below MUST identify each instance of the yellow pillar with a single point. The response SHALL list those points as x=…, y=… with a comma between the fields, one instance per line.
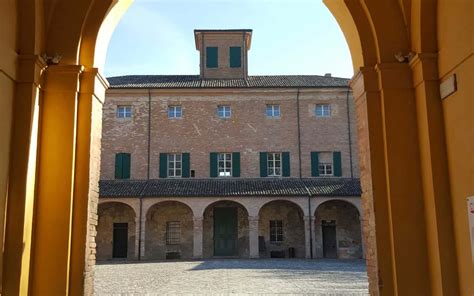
x=21, y=188
x=86, y=190
x=55, y=185
x=391, y=180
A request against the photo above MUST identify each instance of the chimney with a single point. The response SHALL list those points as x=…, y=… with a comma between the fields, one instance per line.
x=328, y=75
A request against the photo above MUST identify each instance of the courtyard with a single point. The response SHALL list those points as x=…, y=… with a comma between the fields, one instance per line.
x=229, y=276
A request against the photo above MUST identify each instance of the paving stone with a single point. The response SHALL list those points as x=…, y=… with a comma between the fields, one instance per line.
x=233, y=277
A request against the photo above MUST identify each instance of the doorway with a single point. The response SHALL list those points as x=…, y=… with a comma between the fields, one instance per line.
x=120, y=240
x=329, y=239
x=225, y=232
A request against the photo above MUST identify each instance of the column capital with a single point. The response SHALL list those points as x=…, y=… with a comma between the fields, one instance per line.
x=253, y=218
x=308, y=218
x=198, y=218
x=62, y=78
x=424, y=67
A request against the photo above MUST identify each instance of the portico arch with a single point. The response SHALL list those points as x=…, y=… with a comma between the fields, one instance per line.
x=111, y=214
x=397, y=103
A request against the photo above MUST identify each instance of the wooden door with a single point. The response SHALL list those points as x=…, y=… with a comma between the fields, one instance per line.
x=225, y=232
x=329, y=239
x=120, y=240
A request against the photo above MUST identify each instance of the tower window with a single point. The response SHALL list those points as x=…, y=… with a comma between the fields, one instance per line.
x=211, y=57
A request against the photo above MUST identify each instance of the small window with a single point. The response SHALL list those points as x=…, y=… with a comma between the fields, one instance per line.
x=224, y=166
x=211, y=57
x=124, y=111
x=274, y=164
x=325, y=165
x=223, y=111
x=276, y=231
x=173, y=233
x=323, y=110
x=273, y=111
x=174, y=165
x=175, y=112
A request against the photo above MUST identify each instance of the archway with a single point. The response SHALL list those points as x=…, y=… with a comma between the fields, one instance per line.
x=281, y=228
x=412, y=207
x=116, y=231
x=169, y=231
x=231, y=238
x=337, y=231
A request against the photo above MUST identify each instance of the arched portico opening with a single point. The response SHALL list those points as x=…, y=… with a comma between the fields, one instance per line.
x=390, y=115
x=169, y=231
x=337, y=231
x=225, y=230
x=281, y=230
x=116, y=231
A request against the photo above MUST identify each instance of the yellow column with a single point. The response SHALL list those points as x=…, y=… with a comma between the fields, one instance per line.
x=55, y=185
x=86, y=190
x=435, y=177
x=22, y=179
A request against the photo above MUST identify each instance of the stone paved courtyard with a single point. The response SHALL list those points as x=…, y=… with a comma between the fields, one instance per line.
x=236, y=277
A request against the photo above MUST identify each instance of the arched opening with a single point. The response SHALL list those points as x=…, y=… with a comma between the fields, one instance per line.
x=169, y=231
x=225, y=230
x=337, y=231
x=281, y=230
x=116, y=232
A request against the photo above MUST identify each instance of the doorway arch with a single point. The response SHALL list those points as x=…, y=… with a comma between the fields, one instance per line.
x=409, y=205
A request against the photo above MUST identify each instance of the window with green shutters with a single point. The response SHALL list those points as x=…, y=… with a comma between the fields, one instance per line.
x=211, y=57
x=224, y=164
x=236, y=164
x=122, y=166
x=174, y=165
x=163, y=165
x=326, y=164
x=235, y=55
x=275, y=164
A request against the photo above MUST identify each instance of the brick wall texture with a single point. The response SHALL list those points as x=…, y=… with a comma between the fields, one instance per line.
x=249, y=131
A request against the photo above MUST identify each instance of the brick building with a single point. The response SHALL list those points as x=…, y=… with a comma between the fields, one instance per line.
x=223, y=164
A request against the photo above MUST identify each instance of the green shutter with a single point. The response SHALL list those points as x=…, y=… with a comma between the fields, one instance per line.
x=118, y=166
x=315, y=164
x=122, y=166
x=235, y=164
x=263, y=164
x=163, y=165
x=286, y=164
x=213, y=165
x=235, y=54
x=126, y=166
x=211, y=57
x=186, y=165
x=336, y=160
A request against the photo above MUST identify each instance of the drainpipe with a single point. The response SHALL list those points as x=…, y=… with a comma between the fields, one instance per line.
x=349, y=130
x=299, y=130
x=310, y=215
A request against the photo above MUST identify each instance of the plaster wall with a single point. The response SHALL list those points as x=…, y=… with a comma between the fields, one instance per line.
x=456, y=48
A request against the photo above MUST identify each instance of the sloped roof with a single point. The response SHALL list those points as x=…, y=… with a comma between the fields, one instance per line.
x=195, y=81
x=240, y=187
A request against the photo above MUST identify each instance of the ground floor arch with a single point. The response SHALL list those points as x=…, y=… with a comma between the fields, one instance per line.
x=225, y=230
x=281, y=230
x=337, y=230
x=116, y=234
x=168, y=231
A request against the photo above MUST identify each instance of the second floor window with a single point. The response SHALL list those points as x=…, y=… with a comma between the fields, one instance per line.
x=175, y=112
x=223, y=111
x=124, y=111
x=323, y=110
x=273, y=111
x=325, y=169
x=276, y=231
x=174, y=165
x=224, y=164
x=274, y=164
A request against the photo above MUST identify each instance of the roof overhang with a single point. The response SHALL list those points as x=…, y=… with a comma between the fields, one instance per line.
x=198, y=33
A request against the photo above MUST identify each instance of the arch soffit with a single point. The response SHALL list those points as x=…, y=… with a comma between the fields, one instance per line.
x=300, y=208
x=160, y=202
x=350, y=202
x=209, y=204
x=124, y=203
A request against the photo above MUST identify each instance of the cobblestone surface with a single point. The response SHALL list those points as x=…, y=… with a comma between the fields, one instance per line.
x=236, y=277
